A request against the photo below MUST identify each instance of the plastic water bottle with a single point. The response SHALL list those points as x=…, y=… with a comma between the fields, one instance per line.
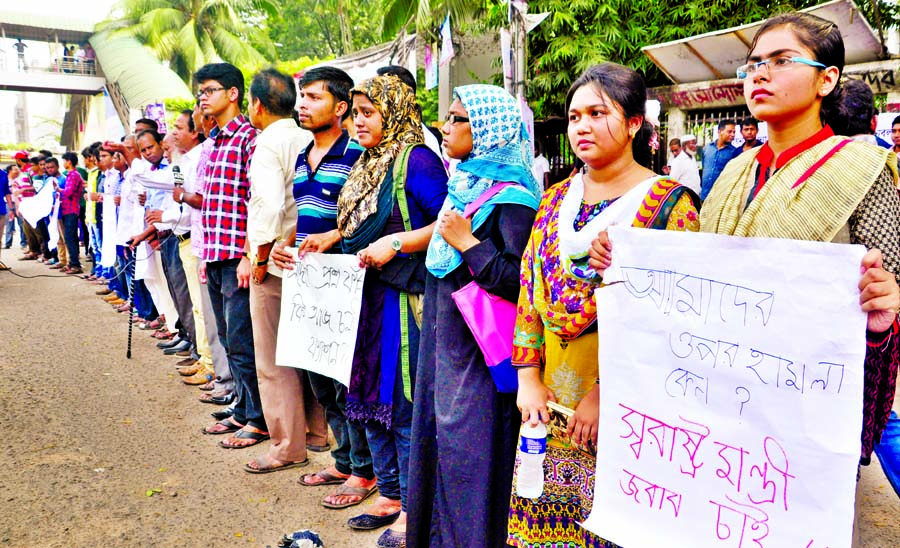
x=532, y=449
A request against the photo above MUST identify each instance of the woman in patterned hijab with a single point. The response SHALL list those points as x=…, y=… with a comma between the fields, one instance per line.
x=395, y=104
x=387, y=222
x=501, y=152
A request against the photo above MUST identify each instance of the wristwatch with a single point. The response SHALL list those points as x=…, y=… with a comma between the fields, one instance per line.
x=396, y=244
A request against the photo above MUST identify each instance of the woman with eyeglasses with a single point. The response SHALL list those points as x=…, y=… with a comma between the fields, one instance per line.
x=806, y=183
x=385, y=215
x=464, y=430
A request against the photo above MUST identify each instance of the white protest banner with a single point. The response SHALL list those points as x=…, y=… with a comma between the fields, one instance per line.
x=36, y=207
x=320, y=304
x=731, y=390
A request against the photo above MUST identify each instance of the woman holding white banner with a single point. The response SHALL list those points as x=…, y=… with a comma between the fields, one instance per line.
x=555, y=346
x=808, y=184
x=385, y=215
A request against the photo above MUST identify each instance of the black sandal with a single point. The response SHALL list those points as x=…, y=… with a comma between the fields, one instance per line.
x=232, y=427
x=257, y=437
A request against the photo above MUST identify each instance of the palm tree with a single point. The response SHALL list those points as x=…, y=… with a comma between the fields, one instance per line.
x=190, y=33
x=425, y=15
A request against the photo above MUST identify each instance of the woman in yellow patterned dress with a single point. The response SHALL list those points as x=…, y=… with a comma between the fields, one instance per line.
x=555, y=347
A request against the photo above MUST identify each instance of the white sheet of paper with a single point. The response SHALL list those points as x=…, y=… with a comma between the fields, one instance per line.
x=37, y=207
x=320, y=305
x=108, y=247
x=53, y=227
x=731, y=389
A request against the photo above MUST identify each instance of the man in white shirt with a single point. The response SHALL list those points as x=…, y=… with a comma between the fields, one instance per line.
x=271, y=217
x=684, y=167
x=541, y=166
x=172, y=228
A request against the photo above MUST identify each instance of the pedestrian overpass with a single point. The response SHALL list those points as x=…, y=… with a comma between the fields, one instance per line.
x=119, y=66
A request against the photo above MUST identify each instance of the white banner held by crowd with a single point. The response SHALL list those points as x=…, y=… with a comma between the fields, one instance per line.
x=731, y=389
x=36, y=207
x=320, y=305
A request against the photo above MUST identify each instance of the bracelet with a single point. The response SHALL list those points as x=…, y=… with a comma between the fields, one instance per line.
x=262, y=263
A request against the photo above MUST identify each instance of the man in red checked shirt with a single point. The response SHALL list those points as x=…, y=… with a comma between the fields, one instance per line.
x=69, y=210
x=220, y=90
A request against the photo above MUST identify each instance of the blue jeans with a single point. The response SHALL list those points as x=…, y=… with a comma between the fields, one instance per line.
x=11, y=228
x=96, y=243
x=352, y=455
x=390, y=447
x=70, y=227
x=231, y=307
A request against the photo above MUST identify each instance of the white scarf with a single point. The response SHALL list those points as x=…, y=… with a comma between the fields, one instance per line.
x=572, y=244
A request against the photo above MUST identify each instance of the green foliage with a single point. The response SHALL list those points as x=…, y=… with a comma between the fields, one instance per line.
x=324, y=28
x=297, y=65
x=425, y=16
x=190, y=33
x=582, y=33
x=428, y=99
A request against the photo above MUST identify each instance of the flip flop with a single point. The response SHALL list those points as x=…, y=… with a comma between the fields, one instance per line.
x=257, y=437
x=330, y=479
x=269, y=469
x=343, y=490
x=231, y=427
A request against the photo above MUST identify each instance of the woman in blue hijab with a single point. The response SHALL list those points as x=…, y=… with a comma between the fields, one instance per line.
x=465, y=431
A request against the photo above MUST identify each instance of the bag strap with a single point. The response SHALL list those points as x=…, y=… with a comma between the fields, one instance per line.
x=812, y=169
x=401, y=164
x=485, y=196
x=399, y=174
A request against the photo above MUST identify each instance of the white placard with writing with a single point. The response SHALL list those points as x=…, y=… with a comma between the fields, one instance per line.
x=36, y=207
x=731, y=390
x=320, y=304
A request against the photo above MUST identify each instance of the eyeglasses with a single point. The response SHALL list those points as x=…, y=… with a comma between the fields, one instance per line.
x=454, y=119
x=775, y=64
x=201, y=93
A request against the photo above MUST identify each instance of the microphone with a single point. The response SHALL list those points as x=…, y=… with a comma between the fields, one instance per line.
x=179, y=182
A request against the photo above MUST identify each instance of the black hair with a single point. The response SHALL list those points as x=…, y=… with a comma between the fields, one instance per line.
x=627, y=89
x=226, y=74
x=337, y=82
x=148, y=122
x=153, y=133
x=45, y=153
x=725, y=123
x=856, y=110
x=275, y=90
x=895, y=121
x=9, y=168
x=823, y=38
x=190, y=116
x=52, y=160
x=749, y=121
x=70, y=157
x=36, y=159
x=675, y=141
x=86, y=151
x=400, y=72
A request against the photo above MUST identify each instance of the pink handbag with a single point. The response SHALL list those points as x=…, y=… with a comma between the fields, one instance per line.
x=491, y=319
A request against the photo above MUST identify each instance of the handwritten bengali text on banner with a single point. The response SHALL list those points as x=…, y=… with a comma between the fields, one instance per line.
x=320, y=305
x=731, y=388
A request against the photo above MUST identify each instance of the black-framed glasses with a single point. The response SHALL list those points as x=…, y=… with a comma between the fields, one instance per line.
x=454, y=119
x=775, y=64
x=201, y=93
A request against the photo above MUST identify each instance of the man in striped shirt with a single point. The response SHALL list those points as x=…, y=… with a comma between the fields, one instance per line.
x=224, y=216
x=321, y=170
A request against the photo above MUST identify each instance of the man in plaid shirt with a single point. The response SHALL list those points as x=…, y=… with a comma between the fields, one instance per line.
x=220, y=89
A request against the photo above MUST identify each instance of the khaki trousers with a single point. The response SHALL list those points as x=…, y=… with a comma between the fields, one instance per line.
x=288, y=413
x=61, y=250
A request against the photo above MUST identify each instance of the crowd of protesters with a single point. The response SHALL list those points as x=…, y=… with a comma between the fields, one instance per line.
x=192, y=231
